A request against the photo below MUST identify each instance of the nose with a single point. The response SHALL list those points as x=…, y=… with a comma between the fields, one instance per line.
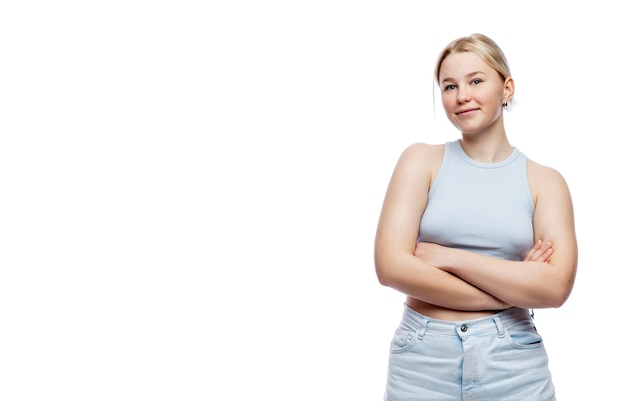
x=463, y=95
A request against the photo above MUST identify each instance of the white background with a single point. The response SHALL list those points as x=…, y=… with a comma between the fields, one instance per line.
x=190, y=190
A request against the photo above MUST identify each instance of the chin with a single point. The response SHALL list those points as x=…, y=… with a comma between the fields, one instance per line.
x=467, y=130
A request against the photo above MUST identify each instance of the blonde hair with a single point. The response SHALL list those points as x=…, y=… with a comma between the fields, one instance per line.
x=481, y=45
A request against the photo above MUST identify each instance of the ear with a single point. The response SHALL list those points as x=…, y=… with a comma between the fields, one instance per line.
x=509, y=89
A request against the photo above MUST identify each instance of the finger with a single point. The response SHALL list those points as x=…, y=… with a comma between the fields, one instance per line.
x=545, y=256
x=533, y=250
x=546, y=251
x=542, y=254
x=545, y=247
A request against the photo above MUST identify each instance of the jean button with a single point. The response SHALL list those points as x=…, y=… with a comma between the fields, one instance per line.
x=463, y=327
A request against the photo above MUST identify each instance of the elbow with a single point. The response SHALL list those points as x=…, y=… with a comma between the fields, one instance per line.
x=556, y=294
x=385, y=268
x=391, y=268
x=560, y=293
x=559, y=297
x=385, y=281
x=554, y=303
x=383, y=275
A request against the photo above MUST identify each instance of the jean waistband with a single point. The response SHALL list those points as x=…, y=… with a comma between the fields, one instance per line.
x=481, y=325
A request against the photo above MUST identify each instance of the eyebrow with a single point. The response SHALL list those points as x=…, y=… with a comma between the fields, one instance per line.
x=471, y=74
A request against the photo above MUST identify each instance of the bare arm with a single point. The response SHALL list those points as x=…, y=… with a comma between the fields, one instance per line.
x=530, y=283
x=396, y=264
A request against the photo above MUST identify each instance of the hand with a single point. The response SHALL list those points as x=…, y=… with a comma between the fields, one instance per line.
x=540, y=252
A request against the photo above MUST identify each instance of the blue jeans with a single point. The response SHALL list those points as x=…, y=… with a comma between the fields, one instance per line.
x=495, y=358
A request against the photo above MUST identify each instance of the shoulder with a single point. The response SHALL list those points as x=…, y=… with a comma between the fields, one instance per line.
x=417, y=166
x=540, y=173
x=545, y=180
x=423, y=153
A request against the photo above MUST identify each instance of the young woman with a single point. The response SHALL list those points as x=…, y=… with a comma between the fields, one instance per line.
x=476, y=235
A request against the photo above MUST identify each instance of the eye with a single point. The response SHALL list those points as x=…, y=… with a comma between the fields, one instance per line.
x=476, y=81
x=449, y=87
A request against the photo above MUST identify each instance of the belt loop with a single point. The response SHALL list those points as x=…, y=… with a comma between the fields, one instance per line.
x=422, y=330
x=498, y=322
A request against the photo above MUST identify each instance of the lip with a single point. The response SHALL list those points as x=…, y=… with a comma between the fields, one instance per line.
x=465, y=111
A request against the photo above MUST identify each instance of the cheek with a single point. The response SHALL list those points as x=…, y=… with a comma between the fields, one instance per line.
x=448, y=103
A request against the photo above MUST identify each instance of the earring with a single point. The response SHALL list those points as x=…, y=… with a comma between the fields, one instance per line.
x=505, y=104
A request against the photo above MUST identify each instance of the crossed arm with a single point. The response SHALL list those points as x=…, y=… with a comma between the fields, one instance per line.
x=463, y=280
x=475, y=267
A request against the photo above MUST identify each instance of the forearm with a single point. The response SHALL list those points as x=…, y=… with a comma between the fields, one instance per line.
x=528, y=284
x=416, y=278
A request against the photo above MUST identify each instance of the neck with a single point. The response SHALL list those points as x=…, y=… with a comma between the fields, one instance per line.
x=487, y=148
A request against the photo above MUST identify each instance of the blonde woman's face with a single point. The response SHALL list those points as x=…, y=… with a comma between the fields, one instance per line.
x=472, y=92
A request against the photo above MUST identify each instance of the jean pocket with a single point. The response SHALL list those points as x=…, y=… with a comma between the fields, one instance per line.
x=403, y=338
x=524, y=335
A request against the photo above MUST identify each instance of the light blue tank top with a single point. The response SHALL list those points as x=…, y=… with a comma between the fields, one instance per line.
x=481, y=207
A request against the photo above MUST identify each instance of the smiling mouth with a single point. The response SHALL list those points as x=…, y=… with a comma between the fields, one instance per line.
x=459, y=113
